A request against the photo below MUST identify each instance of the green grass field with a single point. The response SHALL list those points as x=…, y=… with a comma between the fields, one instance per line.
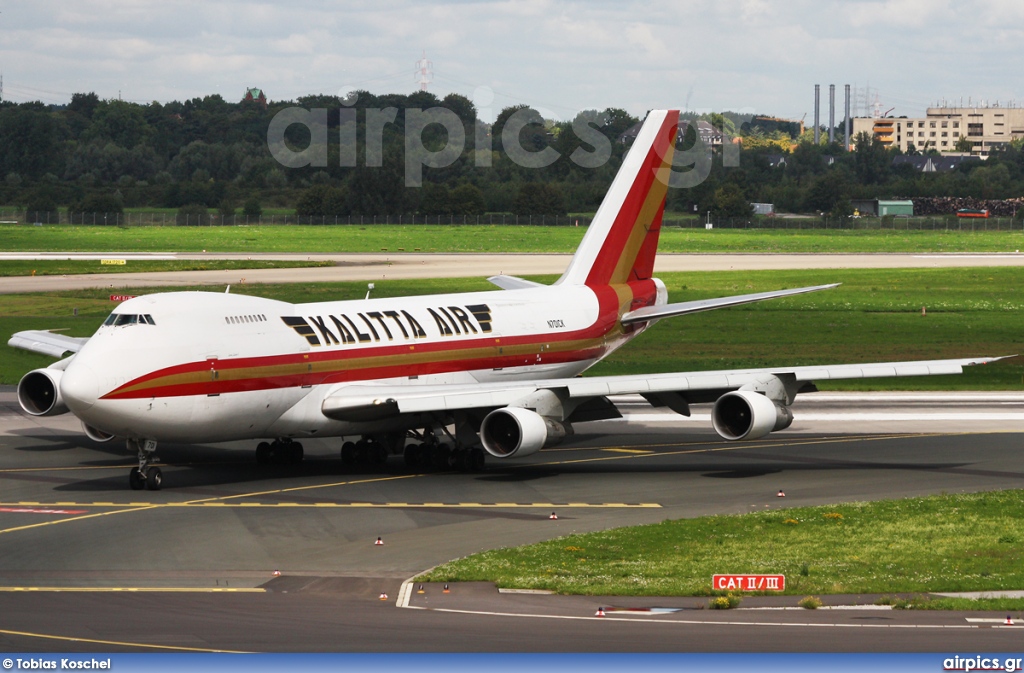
x=943, y=543
x=874, y=316
x=481, y=238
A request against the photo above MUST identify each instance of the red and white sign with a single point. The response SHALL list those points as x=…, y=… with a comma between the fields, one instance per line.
x=748, y=582
x=121, y=297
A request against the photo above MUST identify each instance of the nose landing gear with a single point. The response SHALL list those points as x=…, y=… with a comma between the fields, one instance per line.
x=146, y=475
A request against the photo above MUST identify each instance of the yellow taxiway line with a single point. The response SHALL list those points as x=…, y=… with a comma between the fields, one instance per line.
x=348, y=505
x=118, y=643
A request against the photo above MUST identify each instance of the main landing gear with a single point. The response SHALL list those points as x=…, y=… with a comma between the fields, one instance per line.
x=426, y=451
x=146, y=475
x=367, y=451
x=437, y=448
x=441, y=456
x=279, y=452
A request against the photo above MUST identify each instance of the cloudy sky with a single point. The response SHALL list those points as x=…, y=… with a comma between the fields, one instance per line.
x=759, y=56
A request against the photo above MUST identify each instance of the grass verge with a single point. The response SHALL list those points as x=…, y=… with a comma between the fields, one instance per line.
x=874, y=316
x=971, y=542
x=483, y=238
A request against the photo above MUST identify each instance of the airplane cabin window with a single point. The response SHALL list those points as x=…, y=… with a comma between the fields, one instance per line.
x=126, y=319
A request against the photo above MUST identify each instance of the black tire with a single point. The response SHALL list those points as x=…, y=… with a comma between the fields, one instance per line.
x=348, y=453
x=379, y=454
x=442, y=455
x=363, y=449
x=263, y=453
x=476, y=460
x=295, y=453
x=154, y=479
x=135, y=479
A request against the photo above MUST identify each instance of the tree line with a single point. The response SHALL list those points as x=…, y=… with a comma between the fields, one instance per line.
x=101, y=156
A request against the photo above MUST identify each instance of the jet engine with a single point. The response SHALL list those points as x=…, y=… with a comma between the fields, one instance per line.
x=39, y=393
x=95, y=434
x=744, y=414
x=516, y=432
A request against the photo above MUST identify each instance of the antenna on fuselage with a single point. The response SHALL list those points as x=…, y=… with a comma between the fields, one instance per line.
x=369, y=289
x=227, y=290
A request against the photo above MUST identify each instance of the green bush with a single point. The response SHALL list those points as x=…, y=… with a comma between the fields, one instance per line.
x=810, y=603
x=727, y=602
x=193, y=214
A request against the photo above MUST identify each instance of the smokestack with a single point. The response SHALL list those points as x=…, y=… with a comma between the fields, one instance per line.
x=831, y=113
x=849, y=122
x=817, y=114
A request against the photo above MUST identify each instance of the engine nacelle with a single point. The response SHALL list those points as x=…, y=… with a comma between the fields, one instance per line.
x=744, y=414
x=95, y=434
x=516, y=432
x=39, y=393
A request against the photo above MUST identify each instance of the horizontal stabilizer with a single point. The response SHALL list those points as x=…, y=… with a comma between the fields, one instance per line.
x=513, y=283
x=47, y=343
x=668, y=310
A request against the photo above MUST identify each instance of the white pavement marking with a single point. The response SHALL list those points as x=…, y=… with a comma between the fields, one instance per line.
x=695, y=622
x=83, y=256
x=404, y=594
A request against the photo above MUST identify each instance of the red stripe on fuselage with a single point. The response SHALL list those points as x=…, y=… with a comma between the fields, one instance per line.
x=600, y=338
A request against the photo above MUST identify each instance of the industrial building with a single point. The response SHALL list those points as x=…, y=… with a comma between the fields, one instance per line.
x=944, y=127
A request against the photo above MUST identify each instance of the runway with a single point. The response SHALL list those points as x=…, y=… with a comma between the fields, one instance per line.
x=88, y=565
x=406, y=265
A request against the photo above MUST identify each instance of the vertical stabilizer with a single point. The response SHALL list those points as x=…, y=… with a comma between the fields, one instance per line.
x=621, y=242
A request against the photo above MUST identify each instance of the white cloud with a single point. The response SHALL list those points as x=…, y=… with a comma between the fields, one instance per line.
x=565, y=56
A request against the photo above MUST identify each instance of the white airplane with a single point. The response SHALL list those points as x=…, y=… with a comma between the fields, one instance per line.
x=454, y=373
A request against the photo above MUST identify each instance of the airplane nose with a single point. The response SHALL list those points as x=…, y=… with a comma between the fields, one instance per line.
x=79, y=387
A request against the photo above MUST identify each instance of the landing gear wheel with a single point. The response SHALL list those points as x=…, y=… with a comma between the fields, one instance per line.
x=442, y=454
x=475, y=460
x=263, y=453
x=379, y=454
x=135, y=479
x=295, y=453
x=348, y=454
x=154, y=479
x=412, y=455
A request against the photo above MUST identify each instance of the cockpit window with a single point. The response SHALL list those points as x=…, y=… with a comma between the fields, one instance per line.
x=119, y=319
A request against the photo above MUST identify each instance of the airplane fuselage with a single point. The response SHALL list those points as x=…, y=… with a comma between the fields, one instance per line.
x=196, y=366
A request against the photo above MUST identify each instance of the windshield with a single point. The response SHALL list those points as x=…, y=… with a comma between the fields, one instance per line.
x=118, y=319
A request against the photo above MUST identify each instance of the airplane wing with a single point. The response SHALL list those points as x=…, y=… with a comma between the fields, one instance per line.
x=360, y=403
x=46, y=342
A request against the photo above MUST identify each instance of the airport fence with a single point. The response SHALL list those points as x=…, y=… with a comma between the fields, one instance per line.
x=158, y=218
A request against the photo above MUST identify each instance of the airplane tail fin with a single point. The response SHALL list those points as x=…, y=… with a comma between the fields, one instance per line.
x=621, y=242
